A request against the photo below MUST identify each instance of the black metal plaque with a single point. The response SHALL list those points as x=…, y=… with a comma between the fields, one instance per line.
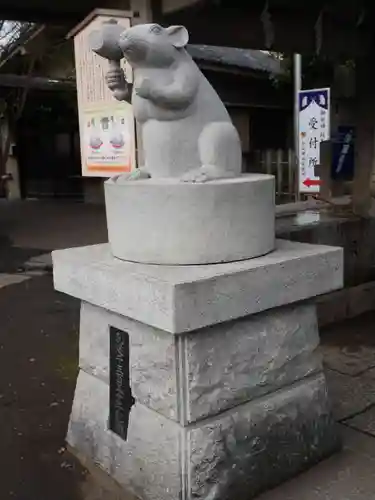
x=120, y=395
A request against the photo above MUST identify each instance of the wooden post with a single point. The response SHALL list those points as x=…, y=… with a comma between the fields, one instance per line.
x=292, y=168
x=142, y=10
x=325, y=169
x=279, y=172
x=365, y=138
x=268, y=161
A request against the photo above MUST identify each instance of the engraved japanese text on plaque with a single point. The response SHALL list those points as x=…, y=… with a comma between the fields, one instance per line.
x=120, y=396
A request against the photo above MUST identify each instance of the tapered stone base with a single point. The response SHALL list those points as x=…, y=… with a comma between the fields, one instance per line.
x=234, y=455
x=230, y=397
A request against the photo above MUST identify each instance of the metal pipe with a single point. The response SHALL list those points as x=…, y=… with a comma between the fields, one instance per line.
x=297, y=63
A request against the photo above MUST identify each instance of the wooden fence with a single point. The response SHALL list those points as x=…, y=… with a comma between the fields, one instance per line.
x=282, y=165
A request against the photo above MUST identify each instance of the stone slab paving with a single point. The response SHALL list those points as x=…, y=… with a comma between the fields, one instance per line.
x=350, y=395
x=364, y=422
x=349, y=360
x=349, y=356
x=348, y=475
x=349, y=347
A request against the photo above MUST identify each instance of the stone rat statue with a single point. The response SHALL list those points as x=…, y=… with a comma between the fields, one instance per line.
x=186, y=130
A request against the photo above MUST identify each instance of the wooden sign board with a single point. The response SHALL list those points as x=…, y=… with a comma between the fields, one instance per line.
x=107, y=127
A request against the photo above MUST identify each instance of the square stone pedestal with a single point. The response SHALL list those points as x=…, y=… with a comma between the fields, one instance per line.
x=201, y=382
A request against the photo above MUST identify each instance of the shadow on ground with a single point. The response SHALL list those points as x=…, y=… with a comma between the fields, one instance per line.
x=38, y=359
x=12, y=259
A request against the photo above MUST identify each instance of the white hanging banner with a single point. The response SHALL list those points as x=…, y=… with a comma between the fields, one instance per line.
x=313, y=128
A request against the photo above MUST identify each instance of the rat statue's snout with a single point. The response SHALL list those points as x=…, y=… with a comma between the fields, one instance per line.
x=125, y=41
x=133, y=48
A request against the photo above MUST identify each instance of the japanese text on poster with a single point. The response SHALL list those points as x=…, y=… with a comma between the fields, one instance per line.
x=107, y=140
x=313, y=128
x=107, y=128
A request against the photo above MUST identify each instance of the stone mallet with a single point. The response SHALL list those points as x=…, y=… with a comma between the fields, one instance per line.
x=105, y=43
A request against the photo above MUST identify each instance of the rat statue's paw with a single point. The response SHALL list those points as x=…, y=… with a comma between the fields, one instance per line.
x=115, y=79
x=205, y=174
x=144, y=89
x=117, y=84
x=136, y=175
x=195, y=176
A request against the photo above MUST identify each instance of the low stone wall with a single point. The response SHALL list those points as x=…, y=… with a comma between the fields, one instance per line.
x=357, y=237
x=344, y=304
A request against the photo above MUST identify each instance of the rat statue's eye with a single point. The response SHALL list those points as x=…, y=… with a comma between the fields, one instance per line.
x=156, y=29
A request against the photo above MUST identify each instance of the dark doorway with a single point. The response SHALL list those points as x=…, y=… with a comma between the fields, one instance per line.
x=48, y=146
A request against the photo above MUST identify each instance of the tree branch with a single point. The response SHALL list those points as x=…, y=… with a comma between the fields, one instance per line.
x=13, y=114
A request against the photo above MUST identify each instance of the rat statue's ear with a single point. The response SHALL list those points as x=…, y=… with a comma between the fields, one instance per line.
x=178, y=35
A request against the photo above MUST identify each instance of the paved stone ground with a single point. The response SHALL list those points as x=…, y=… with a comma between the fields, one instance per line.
x=50, y=225
x=349, y=354
x=38, y=355
x=38, y=365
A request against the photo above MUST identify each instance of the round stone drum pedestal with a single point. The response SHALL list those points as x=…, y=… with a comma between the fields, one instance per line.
x=169, y=222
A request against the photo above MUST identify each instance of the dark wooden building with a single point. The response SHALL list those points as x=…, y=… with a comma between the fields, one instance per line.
x=45, y=135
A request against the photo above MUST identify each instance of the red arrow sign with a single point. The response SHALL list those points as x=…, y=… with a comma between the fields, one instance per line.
x=312, y=182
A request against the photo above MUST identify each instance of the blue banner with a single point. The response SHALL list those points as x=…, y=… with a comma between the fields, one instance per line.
x=343, y=153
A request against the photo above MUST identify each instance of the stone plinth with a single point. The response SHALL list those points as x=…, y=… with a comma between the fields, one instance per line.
x=230, y=397
x=179, y=223
x=183, y=298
